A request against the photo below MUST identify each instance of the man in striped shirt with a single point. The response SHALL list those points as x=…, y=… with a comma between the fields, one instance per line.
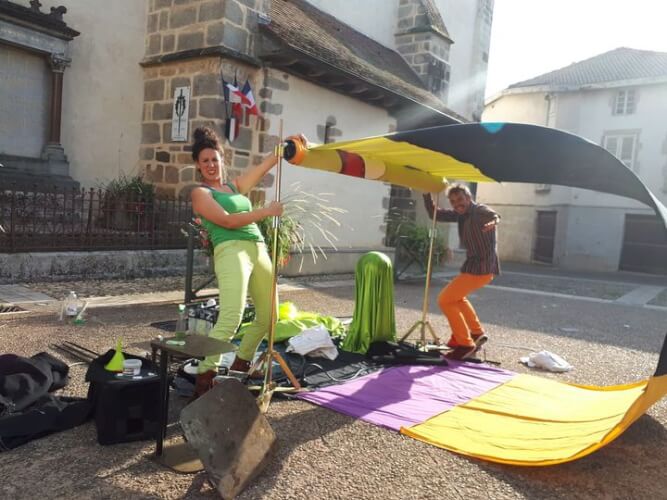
x=477, y=232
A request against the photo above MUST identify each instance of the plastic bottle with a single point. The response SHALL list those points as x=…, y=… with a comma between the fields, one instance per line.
x=71, y=304
x=181, y=322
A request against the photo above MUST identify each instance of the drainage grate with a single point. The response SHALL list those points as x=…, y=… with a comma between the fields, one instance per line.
x=10, y=308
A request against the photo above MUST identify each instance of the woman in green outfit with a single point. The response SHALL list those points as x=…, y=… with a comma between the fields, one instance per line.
x=242, y=263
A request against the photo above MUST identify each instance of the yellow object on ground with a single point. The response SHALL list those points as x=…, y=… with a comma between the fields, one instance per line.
x=115, y=364
x=536, y=421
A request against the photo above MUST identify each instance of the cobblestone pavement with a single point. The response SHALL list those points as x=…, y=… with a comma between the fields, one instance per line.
x=325, y=455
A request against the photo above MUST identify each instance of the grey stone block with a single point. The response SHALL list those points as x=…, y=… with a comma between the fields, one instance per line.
x=159, y=4
x=179, y=81
x=155, y=174
x=187, y=174
x=211, y=107
x=171, y=175
x=214, y=34
x=150, y=133
x=162, y=156
x=210, y=11
x=276, y=83
x=183, y=17
x=168, y=43
x=147, y=153
x=233, y=12
x=421, y=20
x=235, y=38
x=271, y=109
x=162, y=111
x=240, y=161
x=164, y=20
x=243, y=140
x=154, y=44
x=166, y=132
x=154, y=90
x=249, y=3
x=152, y=23
x=191, y=41
x=207, y=85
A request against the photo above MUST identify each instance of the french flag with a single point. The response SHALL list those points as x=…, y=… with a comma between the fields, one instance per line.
x=243, y=104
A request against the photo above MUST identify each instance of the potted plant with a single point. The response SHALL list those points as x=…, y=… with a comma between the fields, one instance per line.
x=128, y=203
x=301, y=225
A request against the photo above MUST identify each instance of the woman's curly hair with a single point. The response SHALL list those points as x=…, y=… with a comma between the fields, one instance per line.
x=204, y=138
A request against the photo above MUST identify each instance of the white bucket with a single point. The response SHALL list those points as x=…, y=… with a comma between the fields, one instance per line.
x=131, y=367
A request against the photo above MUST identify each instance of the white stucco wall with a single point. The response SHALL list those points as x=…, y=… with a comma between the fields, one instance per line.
x=590, y=224
x=374, y=18
x=103, y=88
x=305, y=106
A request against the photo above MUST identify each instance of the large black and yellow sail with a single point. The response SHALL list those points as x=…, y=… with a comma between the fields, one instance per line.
x=480, y=152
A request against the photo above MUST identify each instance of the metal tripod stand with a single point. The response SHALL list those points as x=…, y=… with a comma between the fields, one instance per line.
x=423, y=324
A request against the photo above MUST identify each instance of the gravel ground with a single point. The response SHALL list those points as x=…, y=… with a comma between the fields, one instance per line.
x=105, y=288
x=326, y=455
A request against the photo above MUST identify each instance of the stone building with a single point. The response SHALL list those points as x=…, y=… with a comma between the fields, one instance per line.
x=333, y=69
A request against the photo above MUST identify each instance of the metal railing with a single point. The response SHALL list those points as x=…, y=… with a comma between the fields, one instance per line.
x=89, y=219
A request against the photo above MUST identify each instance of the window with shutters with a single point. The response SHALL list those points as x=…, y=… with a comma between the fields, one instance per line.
x=625, y=103
x=623, y=147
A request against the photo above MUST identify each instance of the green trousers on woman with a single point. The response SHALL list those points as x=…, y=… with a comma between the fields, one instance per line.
x=242, y=267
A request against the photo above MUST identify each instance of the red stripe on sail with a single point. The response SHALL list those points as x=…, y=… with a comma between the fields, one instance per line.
x=353, y=164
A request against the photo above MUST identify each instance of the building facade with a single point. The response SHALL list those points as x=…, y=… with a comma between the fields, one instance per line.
x=139, y=77
x=70, y=90
x=617, y=100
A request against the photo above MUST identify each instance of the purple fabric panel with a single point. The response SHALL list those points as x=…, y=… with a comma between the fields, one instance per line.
x=407, y=395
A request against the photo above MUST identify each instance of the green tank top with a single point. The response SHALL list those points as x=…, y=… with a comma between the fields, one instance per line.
x=233, y=203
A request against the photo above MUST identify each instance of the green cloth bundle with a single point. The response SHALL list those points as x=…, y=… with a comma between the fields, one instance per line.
x=298, y=322
x=373, y=318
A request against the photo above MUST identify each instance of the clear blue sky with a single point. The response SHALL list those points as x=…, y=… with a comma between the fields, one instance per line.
x=531, y=37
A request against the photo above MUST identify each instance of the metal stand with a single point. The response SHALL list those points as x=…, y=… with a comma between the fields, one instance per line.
x=423, y=324
x=266, y=359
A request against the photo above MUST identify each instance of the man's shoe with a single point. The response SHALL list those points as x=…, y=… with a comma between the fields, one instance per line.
x=461, y=352
x=451, y=343
x=479, y=339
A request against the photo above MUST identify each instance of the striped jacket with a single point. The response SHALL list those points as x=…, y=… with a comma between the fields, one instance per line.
x=481, y=247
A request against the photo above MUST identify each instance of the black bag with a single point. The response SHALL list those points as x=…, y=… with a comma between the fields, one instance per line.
x=27, y=410
x=402, y=353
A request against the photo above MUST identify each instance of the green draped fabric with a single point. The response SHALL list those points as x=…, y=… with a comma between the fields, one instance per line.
x=373, y=318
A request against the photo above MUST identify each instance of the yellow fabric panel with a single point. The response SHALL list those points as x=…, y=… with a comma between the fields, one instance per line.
x=323, y=160
x=539, y=398
x=398, y=155
x=536, y=421
x=655, y=391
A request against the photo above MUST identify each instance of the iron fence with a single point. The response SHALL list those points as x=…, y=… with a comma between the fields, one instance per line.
x=89, y=219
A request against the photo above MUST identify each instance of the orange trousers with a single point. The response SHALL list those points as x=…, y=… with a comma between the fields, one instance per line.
x=459, y=311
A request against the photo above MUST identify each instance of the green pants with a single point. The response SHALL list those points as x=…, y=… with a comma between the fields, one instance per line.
x=242, y=267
